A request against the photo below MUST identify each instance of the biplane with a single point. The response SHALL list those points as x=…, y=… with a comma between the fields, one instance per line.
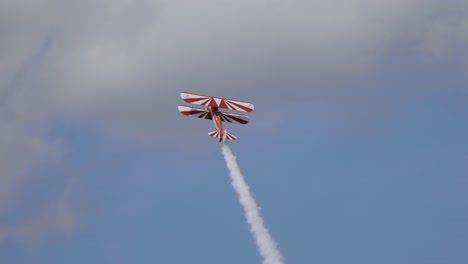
x=212, y=112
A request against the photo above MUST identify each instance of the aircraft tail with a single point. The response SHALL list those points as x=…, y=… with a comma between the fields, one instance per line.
x=222, y=138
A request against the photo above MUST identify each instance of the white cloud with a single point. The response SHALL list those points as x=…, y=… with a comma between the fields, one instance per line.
x=122, y=63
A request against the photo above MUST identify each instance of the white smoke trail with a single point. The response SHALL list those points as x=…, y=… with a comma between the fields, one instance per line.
x=265, y=243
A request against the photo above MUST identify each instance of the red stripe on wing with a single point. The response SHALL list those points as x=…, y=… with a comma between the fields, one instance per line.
x=197, y=112
x=230, y=117
x=238, y=120
x=204, y=100
x=238, y=105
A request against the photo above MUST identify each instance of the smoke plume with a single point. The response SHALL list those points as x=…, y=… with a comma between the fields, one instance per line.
x=265, y=243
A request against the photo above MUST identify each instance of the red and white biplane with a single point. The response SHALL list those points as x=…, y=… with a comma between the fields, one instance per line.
x=212, y=112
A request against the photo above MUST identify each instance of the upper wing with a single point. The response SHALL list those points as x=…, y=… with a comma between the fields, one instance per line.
x=195, y=111
x=217, y=102
x=232, y=118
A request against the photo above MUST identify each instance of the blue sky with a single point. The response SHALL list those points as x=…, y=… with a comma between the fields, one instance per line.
x=356, y=151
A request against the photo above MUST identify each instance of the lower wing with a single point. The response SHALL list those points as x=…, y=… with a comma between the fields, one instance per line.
x=204, y=113
x=234, y=118
x=195, y=111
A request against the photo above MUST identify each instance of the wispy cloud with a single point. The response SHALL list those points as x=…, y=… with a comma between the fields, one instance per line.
x=121, y=64
x=61, y=216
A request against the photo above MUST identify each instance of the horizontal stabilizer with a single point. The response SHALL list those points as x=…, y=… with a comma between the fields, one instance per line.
x=217, y=134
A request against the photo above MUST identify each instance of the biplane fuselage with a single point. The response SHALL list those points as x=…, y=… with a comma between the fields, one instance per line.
x=212, y=112
x=218, y=122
